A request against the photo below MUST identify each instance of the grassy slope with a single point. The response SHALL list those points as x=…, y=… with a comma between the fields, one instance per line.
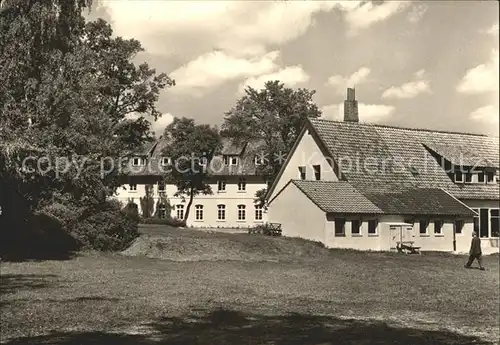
x=98, y=293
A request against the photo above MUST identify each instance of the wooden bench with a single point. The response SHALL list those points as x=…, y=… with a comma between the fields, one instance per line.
x=269, y=229
x=407, y=247
x=275, y=229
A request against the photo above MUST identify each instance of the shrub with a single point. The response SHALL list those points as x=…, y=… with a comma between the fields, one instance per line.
x=109, y=228
x=164, y=221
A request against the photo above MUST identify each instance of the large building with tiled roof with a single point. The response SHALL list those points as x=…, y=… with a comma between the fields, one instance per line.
x=364, y=186
x=234, y=177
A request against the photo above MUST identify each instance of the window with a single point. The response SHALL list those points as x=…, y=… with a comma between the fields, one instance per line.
x=317, y=172
x=438, y=227
x=221, y=212
x=468, y=178
x=137, y=161
x=226, y=160
x=459, y=177
x=495, y=222
x=166, y=161
x=372, y=226
x=258, y=212
x=233, y=161
x=480, y=177
x=259, y=160
x=476, y=221
x=484, y=222
x=339, y=227
x=162, y=211
x=355, y=226
x=180, y=211
x=241, y=212
x=198, y=209
x=242, y=185
x=221, y=186
x=423, y=224
x=459, y=226
x=490, y=176
x=133, y=187
x=302, y=173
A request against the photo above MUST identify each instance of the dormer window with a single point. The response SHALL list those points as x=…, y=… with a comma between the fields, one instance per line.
x=166, y=161
x=459, y=177
x=490, y=177
x=259, y=160
x=137, y=161
x=480, y=177
x=230, y=160
x=468, y=178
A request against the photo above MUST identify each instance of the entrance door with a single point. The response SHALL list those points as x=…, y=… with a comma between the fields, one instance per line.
x=395, y=233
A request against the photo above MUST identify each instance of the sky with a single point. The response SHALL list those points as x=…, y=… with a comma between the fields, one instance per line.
x=422, y=64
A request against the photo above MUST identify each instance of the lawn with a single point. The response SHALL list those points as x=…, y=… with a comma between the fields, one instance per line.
x=278, y=291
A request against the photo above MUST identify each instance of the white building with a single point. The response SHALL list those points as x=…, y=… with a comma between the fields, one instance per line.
x=234, y=177
x=368, y=187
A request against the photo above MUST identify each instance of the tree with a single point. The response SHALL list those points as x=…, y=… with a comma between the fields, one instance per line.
x=190, y=147
x=273, y=115
x=67, y=89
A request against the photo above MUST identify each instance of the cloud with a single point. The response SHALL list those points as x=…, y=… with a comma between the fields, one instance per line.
x=370, y=113
x=366, y=14
x=482, y=78
x=488, y=114
x=164, y=26
x=215, y=68
x=290, y=76
x=493, y=30
x=417, y=12
x=410, y=89
x=158, y=126
x=341, y=83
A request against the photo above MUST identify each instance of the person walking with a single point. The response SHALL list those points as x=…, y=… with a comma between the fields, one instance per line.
x=475, y=252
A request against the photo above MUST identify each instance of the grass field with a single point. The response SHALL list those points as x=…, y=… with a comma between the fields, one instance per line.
x=277, y=291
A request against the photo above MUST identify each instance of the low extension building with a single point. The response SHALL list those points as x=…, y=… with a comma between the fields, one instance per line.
x=372, y=187
x=234, y=178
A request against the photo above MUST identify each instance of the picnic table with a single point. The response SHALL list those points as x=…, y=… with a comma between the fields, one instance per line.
x=407, y=247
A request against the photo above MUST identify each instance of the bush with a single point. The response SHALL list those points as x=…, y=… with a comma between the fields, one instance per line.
x=164, y=221
x=109, y=228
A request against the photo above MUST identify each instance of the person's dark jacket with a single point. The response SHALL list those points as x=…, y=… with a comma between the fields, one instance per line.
x=475, y=246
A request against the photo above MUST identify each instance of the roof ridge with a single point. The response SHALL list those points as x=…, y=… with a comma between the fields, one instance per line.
x=406, y=128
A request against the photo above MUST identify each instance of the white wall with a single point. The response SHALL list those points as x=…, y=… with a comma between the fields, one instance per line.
x=363, y=240
x=298, y=215
x=307, y=153
x=232, y=197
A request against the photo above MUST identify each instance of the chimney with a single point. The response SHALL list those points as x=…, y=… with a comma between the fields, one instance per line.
x=351, y=107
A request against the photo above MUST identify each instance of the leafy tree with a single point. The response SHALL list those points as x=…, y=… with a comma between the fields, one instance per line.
x=273, y=115
x=67, y=89
x=190, y=146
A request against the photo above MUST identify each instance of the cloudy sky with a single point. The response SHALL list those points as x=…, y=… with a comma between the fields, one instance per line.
x=416, y=64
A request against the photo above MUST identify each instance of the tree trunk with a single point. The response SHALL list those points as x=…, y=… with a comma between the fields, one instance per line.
x=188, y=206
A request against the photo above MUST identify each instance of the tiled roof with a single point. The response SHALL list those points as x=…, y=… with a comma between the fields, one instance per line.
x=337, y=197
x=246, y=158
x=387, y=159
x=420, y=201
x=342, y=197
x=465, y=155
x=245, y=151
